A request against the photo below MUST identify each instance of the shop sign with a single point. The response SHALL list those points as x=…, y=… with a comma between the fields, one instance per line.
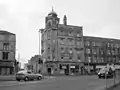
x=50, y=65
x=64, y=67
x=62, y=72
x=72, y=66
x=117, y=66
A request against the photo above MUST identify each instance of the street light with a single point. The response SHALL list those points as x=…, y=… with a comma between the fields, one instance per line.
x=39, y=40
x=39, y=48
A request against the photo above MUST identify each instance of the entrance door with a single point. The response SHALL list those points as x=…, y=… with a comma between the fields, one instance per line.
x=49, y=71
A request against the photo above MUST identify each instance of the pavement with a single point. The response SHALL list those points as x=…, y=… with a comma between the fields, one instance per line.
x=12, y=78
x=117, y=87
x=60, y=83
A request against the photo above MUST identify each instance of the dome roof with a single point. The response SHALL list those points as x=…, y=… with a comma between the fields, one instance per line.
x=53, y=13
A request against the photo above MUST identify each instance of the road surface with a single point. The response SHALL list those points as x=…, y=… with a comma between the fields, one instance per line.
x=58, y=83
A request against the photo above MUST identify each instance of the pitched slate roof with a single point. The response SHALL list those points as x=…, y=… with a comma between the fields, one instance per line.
x=6, y=32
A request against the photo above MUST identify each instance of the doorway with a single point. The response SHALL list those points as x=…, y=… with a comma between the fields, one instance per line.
x=49, y=71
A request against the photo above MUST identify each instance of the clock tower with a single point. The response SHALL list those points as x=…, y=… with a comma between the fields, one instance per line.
x=51, y=21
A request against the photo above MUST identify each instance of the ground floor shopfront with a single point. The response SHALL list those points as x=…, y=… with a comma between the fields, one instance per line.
x=64, y=68
x=95, y=67
x=7, y=68
x=73, y=68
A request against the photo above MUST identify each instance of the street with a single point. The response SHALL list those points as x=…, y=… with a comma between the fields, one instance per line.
x=58, y=83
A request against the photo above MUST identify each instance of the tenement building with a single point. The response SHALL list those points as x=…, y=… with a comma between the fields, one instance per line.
x=62, y=46
x=7, y=52
x=67, y=51
x=101, y=51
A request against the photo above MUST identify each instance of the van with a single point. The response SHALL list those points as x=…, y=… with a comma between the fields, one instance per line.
x=105, y=73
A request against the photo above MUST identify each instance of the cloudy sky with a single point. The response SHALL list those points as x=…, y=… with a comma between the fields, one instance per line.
x=25, y=17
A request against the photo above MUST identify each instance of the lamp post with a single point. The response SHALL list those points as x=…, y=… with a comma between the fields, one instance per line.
x=39, y=47
x=39, y=40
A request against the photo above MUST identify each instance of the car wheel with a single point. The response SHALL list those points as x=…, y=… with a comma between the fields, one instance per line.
x=39, y=78
x=32, y=79
x=18, y=79
x=26, y=79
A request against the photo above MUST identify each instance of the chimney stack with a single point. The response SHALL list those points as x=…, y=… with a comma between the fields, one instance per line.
x=65, y=20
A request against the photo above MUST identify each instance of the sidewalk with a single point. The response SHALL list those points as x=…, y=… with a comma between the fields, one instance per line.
x=12, y=78
x=7, y=78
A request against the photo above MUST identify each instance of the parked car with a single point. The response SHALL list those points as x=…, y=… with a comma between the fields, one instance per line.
x=105, y=73
x=28, y=75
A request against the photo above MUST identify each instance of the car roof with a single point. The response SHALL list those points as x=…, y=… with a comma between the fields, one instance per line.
x=22, y=71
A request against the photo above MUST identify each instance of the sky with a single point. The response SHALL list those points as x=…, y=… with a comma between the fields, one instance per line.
x=99, y=18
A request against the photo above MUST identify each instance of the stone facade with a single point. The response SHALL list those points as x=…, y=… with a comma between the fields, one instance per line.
x=101, y=51
x=7, y=53
x=67, y=51
x=34, y=64
x=62, y=46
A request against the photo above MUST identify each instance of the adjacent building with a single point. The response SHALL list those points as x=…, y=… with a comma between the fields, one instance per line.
x=34, y=64
x=101, y=51
x=62, y=46
x=7, y=52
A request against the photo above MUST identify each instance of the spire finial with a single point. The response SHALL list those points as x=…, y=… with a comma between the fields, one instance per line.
x=52, y=9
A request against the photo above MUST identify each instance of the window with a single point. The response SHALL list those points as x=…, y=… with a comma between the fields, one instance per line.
x=61, y=40
x=108, y=44
x=48, y=46
x=61, y=57
x=29, y=72
x=54, y=58
x=108, y=52
x=113, y=52
x=93, y=43
x=48, y=35
x=48, y=57
x=5, y=46
x=70, y=57
x=70, y=50
x=117, y=46
x=112, y=45
x=88, y=51
x=101, y=51
x=42, y=51
x=78, y=34
x=5, y=55
x=78, y=57
x=87, y=43
x=94, y=51
x=61, y=33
